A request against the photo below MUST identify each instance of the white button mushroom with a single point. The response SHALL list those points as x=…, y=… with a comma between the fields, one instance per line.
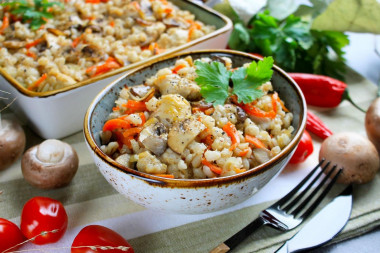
x=372, y=123
x=51, y=164
x=12, y=143
x=354, y=153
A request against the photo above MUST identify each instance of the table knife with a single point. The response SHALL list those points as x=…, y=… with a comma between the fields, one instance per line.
x=324, y=226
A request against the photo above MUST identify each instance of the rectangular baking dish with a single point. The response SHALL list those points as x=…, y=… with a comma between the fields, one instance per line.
x=57, y=114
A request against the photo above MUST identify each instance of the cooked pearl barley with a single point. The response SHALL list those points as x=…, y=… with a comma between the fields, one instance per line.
x=122, y=39
x=212, y=155
x=205, y=139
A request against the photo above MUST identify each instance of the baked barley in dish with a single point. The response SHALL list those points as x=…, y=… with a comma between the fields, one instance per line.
x=183, y=123
x=75, y=40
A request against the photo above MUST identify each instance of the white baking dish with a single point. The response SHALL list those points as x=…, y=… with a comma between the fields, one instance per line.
x=59, y=113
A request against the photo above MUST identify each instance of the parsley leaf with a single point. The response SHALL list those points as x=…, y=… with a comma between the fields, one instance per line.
x=213, y=78
x=239, y=36
x=292, y=43
x=247, y=80
x=35, y=14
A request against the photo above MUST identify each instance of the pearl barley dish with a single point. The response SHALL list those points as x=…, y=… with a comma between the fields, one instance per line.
x=199, y=119
x=80, y=39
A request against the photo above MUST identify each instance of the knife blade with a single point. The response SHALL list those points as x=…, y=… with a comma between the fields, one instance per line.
x=324, y=226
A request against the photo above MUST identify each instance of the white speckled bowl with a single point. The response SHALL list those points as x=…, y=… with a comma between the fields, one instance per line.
x=191, y=195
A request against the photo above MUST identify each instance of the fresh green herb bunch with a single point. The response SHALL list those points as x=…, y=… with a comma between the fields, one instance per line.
x=214, y=80
x=294, y=46
x=36, y=13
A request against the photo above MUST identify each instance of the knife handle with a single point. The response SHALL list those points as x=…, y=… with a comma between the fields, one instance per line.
x=237, y=238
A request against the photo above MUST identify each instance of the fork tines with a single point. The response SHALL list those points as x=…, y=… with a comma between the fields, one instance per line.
x=289, y=202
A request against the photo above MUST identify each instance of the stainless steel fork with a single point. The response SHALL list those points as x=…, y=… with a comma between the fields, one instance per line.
x=288, y=212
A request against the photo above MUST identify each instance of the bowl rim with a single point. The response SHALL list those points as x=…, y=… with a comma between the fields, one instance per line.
x=188, y=183
x=227, y=27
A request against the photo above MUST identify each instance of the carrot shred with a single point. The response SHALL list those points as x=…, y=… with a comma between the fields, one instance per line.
x=110, y=64
x=93, y=1
x=237, y=170
x=168, y=10
x=209, y=111
x=5, y=24
x=112, y=23
x=132, y=131
x=193, y=26
x=31, y=54
x=155, y=49
x=212, y=167
x=282, y=105
x=135, y=106
x=114, y=124
x=164, y=175
x=38, y=82
x=232, y=132
x=191, y=31
x=244, y=152
x=34, y=43
x=178, y=67
x=254, y=111
x=76, y=41
x=194, y=110
x=254, y=141
x=143, y=118
x=127, y=135
x=208, y=140
x=274, y=102
x=116, y=108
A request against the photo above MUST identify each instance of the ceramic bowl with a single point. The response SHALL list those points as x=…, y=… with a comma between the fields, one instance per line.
x=59, y=113
x=190, y=195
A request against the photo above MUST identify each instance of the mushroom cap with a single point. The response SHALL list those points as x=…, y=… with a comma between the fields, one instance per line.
x=355, y=153
x=49, y=165
x=12, y=143
x=372, y=123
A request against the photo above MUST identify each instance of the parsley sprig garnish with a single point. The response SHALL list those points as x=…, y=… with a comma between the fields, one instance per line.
x=292, y=42
x=36, y=14
x=214, y=79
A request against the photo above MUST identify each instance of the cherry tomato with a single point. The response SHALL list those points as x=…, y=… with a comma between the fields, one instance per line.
x=10, y=235
x=44, y=217
x=304, y=149
x=100, y=236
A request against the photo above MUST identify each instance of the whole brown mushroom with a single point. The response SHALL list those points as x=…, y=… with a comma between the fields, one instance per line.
x=49, y=165
x=12, y=143
x=372, y=123
x=354, y=153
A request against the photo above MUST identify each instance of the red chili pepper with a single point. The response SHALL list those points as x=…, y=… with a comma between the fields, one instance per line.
x=316, y=126
x=322, y=91
x=304, y=149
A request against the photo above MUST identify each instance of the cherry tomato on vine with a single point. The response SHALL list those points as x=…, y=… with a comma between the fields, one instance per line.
x=304, y=149
x=100, y=236
x=45, y=218
x=10, y=235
